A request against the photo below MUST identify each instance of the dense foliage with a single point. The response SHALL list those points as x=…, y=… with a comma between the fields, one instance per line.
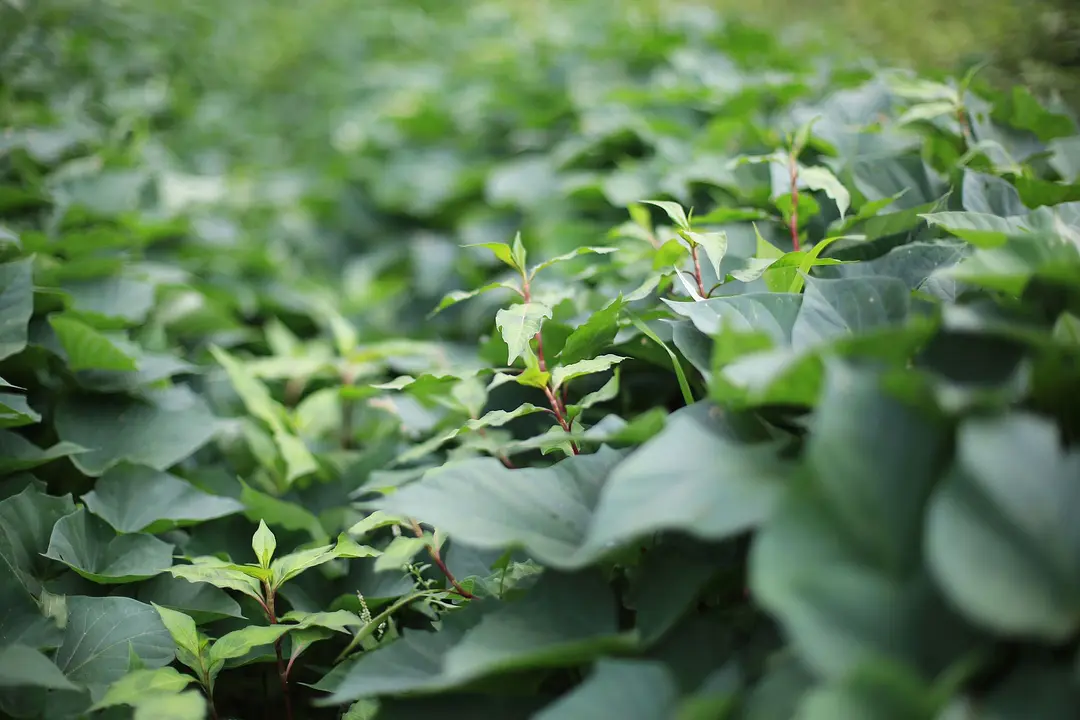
x=616, y=366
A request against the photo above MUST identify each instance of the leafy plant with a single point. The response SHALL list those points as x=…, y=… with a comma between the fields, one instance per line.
x=650, y=389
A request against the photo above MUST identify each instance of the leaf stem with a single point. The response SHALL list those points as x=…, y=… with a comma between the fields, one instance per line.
x=556, y=406
x=793, y=172
x=697, y=270
x=283, y=673
x=436, y=557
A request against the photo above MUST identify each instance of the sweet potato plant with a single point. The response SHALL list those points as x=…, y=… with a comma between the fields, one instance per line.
x=619, y=366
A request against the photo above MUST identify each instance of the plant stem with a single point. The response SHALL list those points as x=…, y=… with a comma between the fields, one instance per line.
x=793, y=172
x=697, y=270
x=556, y=406
x=437, y=559
x=282, y=672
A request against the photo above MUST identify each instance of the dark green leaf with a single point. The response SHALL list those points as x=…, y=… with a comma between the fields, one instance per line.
x=91, y=548
x=135, y=498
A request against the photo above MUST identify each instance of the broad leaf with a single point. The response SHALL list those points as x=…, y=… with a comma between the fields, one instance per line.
x=134, y=498
x=102, y=633
x=1027, y=580
x=157, y=432
x=630, y=689
x=26, y=525
x=91, y=548
x=16, y=305
x=25, y=667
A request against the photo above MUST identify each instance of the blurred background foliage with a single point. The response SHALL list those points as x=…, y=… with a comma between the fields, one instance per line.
x=353, y=139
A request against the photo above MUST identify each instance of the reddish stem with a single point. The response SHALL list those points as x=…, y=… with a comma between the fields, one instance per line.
x=793, y=171
x=697, y=270
x=283, y=673
x=556, y=406
x=437, y=559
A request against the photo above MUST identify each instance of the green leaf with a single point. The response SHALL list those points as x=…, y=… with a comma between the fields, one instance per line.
x=135, y=498
x=715, y=244
x=287, y=567
x=255, y=396
x=16, y=305
x=594, y=336
x=630, y=689
x=833, y=309
x=571, y=255
x=400, y=552
x=456, y=296
x=978, y=229
x=673, y=210
x=17, y=453
x=519, y=324
x=565, y=373
x=502, y=251
x=517, y=251
x=264, y=544
x=773, y=314
x=25, y=667
x=564, y=620
x=239, y=643
x=158, y=431
x=374, y=521
x=1010, y=267
x=990, y=195
x=187, y=705
x=26, y=523
x=101, y=632
x=483, y=504
x=903, y=450
x=133, y=688
x=821, y=179
x=203, y=602
x=684, y=385
x=88, y=349
x=219, y=574
x=1066, y=158
x=1026, y=581
x=182, y=629
x=609, y=391
x=91, y=548
x=693, y=479
x=275, y=511
x=880, y=691
x=15, y=411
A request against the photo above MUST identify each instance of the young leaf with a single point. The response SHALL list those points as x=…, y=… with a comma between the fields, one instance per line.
x=688, y=396
x=715, y=244
x=263, y=543
x=517, y=251
x=133, y=688
x=609, y=391
x=219, y=574
x=594, y=336
x=566, y=373
x=182, y=629
x=570, y=255
x=240, y=642
x=533, y=376
x=674, y=211
x=519, y=324
x=287, y=567
x=502, y=251
x=819, y=178
x=455, y=296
